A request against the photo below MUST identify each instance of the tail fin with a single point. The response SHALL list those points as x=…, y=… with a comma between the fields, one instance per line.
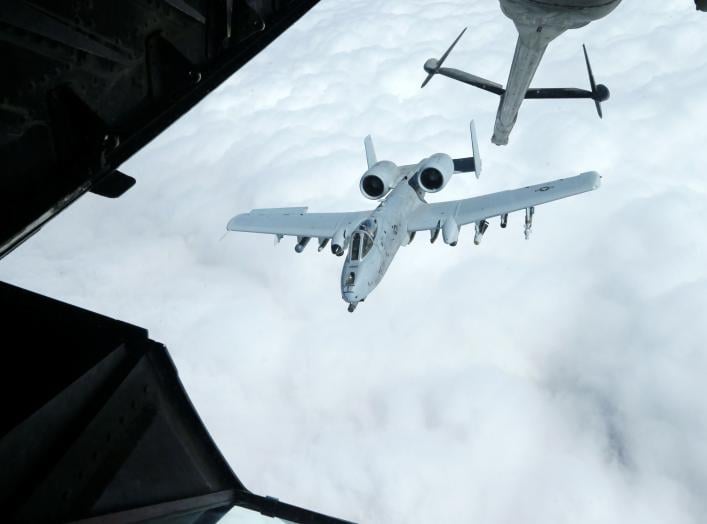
x=475, y=149
x=600, y=93
x=370, y=152
x=472, y=163
x=432, y=65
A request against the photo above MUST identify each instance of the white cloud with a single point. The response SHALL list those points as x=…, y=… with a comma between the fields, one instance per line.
x=554, y=380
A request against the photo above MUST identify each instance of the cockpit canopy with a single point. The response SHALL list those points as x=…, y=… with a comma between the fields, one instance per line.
x=369, y=226
x=362, y=239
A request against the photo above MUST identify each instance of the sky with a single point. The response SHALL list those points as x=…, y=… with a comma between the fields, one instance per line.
x=555, y=380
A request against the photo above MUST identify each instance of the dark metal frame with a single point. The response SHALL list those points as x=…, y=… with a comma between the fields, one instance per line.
x=85, y=97
x=97, y=426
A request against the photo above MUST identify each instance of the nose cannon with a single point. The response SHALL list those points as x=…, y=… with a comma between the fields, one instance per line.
x=348, y=288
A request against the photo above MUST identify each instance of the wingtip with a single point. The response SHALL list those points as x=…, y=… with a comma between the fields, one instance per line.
x=596, y=178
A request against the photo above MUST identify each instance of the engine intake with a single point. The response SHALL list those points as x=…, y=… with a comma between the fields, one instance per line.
x=377, y=181
x=435, y=172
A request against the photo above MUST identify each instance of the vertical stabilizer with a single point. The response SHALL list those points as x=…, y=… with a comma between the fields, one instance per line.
x=475, y=149
x=370, y=152
x=471, y=163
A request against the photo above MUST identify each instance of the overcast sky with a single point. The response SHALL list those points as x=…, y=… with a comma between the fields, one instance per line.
x=556, y=380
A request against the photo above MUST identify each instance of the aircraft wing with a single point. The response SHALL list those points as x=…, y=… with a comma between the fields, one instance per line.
x=295, y=221
x=475, y=209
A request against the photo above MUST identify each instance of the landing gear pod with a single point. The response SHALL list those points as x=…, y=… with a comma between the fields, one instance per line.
x=450, y=232
x=338, y=243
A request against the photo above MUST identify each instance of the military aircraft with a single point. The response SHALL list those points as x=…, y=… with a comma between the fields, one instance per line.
x=374, y=237
x=538, y=23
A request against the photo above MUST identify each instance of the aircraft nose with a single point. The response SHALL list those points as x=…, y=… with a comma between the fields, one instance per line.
x=351, y=297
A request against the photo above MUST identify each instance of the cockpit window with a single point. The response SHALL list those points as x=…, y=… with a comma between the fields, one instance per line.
x=362, y=239
x=369, y=226
x=350, y=279
x=367, y=245
x=355, y=246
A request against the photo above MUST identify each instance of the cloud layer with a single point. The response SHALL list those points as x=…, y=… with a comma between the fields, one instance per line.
x=556, y=380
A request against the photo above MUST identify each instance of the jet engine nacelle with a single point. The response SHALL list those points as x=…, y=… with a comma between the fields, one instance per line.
x=435, y=172
x=377, y=181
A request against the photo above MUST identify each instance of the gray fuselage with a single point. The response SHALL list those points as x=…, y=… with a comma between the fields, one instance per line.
x=374, y=243
x=538, y=22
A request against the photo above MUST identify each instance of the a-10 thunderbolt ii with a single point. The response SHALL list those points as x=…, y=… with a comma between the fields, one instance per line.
x=372, y=238
x=538, y=23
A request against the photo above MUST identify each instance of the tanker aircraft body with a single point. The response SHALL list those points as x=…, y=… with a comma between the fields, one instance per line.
x=372, y=238
x=538, y=23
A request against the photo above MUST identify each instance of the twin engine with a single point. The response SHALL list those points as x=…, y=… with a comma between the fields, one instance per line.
x=379, y=179
x=435, y=172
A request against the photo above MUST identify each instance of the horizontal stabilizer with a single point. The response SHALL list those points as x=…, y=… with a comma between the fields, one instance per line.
x=464, y=165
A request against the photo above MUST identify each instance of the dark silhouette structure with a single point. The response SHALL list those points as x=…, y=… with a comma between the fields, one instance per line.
x=87, y=83
x=95, y=425
x=98, y=428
